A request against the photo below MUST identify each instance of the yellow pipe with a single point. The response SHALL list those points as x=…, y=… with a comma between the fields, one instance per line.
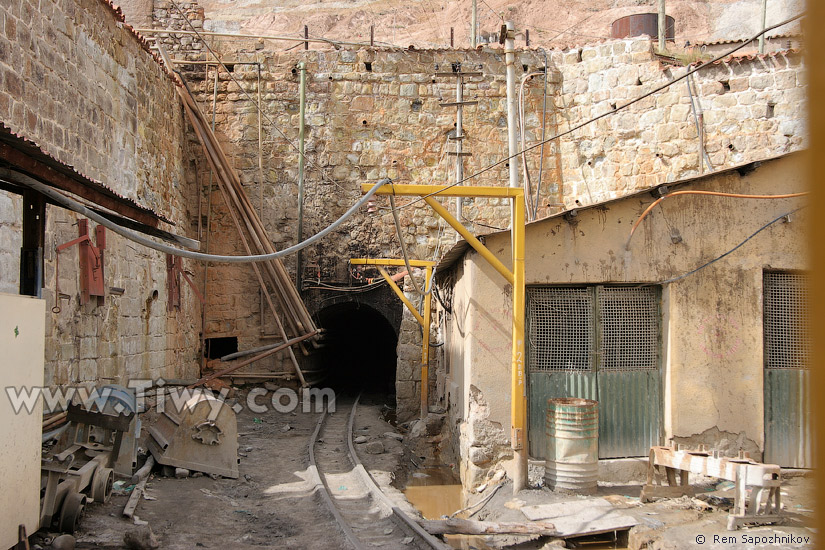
x=425, y=350
x=518, y=383
x=442, y=191
x=390, y=261
x=400, y=294
x=470, y=238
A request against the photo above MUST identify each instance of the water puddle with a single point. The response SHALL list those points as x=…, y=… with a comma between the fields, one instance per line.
x=435, y=492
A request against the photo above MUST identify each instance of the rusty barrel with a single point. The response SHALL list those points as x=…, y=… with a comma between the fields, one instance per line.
x=572, y=463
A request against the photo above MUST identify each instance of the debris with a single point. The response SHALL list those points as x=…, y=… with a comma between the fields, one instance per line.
x=515, y=504
x=554, y=543
x=202, y=436
x=140, y=538
x=394, y=435
x=248, y=449
x=271, y=386
x=457, y=526
x=407, y=540
x=63, y=542
x=121, y=488
x=134, y=498
x=137, y=521
x=725, y=486
x=374, y=447
x=388, y=531
x=286, y=428
x=581, y=517
x=360, y=439
x=257, y=421
x=181, y=473
x=143, y=471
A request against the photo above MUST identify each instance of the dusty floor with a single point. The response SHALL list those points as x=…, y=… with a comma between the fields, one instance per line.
x=273, y=503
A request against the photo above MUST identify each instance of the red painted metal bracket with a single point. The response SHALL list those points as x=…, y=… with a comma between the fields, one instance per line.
x=174, y=271
x=91, y=261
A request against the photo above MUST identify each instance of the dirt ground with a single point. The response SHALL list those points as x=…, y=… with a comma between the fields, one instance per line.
x=274, y=503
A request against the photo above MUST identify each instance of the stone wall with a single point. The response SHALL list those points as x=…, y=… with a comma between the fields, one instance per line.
x=754, y=108
x=76, y=81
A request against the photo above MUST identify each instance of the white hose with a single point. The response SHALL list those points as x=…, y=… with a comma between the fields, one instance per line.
x=75, y=206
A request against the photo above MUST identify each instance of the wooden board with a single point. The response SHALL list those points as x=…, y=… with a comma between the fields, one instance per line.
x=581, y=517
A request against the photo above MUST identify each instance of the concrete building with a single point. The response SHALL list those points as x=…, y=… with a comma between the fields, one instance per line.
x=695, y=330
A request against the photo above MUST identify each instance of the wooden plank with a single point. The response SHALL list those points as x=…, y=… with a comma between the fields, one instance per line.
x=558, y=509
x=458, y=526
x=583, y=517
x=134, y=498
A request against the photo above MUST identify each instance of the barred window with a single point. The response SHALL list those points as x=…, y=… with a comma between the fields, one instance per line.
x=593, y=328
x=786, y=320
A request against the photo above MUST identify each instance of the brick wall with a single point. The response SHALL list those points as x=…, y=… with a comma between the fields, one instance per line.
x=77, y=82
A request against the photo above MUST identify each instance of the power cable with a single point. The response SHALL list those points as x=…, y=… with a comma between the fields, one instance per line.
x=71, y=204
x=710, y=193
x=605, y=114
x=731, y=251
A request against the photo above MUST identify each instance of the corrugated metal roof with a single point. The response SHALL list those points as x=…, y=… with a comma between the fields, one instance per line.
x=31, y=149
x=460, y=248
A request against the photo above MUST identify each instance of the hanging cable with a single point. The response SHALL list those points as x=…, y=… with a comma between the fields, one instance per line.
x=71, y=204
x=528, y=193
x=731, y=251
x=543, y=128
x=711, y=193
x=658, y=89
x=404, y=248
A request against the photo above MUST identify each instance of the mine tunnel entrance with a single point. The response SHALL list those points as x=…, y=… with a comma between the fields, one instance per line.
x=359, y=352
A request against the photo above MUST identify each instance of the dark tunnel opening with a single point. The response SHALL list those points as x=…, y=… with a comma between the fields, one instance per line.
x=359, y=353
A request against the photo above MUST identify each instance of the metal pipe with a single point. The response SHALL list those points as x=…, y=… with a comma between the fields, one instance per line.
x=474, y=25
x=302, y=67
x=254, y=36
x=510, y=61
x=208, y=224
x=762, y=36
x=459, y=140
x=250, y=351
x=662, y=25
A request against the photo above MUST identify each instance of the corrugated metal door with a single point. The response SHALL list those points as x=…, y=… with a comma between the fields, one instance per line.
x=597, y=343
x=786, y=321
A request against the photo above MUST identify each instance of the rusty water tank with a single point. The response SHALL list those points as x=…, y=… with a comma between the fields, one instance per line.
x=572, y=463
x=642, y=23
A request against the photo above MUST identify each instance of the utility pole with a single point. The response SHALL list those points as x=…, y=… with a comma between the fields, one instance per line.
x=474, y=25
x=762, y=28
x=518, y=388
x=302, y=67
x=662, y=25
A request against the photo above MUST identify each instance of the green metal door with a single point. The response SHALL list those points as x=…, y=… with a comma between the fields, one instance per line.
x=787, y=344
x=597, y=343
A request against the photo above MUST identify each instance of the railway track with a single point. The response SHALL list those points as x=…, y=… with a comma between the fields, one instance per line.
x=365, y=514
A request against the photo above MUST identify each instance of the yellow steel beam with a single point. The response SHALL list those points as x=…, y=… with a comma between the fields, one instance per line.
x=425, y=349
x=390, y=261
x=518, y=387
x=470, y=238
x=442, y=191
x=400, y=294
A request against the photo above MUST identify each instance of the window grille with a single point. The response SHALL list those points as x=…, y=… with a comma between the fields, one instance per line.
x=592, y=328
x=560, y=329
x=786, y=320
x=629, y=325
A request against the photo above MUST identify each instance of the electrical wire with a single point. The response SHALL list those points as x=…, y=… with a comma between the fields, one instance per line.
x=528, y=187
x=711, y=193
x=731, y=251
x=543, y=128
x=504, y=160
x=71, y=204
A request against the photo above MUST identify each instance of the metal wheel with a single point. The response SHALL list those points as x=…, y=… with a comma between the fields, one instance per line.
x=102, y=483
x=70, y=512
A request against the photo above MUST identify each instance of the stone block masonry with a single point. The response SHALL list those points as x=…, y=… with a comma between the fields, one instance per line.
x=79, y=83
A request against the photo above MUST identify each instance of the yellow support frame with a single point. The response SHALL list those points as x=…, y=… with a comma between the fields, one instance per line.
x=518, y=388
x=424, y=320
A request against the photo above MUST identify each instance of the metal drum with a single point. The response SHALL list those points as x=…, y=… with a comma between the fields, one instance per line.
x=572, y=463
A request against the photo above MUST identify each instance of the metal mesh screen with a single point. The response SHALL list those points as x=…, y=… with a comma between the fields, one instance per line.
x=786, y=321
x=629, y=328
x=560, y=329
